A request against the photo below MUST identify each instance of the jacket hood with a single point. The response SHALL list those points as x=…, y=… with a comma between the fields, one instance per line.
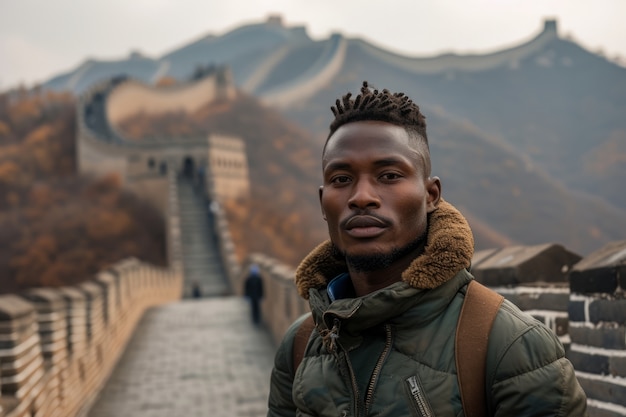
x=449, y=249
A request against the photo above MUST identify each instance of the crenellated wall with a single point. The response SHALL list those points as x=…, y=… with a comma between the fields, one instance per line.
x=227, y=168
x=58, y=346
x=597, y=322
x=133, y=96
x=144, y=165
x=535, y=278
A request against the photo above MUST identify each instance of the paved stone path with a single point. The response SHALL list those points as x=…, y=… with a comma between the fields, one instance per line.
x=192, y=358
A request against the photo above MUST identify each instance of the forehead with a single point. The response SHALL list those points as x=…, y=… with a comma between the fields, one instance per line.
x=357, y=138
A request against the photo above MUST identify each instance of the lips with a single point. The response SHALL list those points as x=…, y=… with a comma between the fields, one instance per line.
x=361, y=226
x=364, y=221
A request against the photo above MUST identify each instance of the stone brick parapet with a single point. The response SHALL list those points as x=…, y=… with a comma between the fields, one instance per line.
x=537, y=265
x=59, y=345
x=535, y=278
x=21, y=360
x=597, y=316
x=225, y=242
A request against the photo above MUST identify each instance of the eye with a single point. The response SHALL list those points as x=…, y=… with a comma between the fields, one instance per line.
x=340, y=179
x=390, y=176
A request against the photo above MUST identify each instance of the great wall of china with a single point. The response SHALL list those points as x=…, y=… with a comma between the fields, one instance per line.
x=280, y=44
x=58, y=346
x=331, y=59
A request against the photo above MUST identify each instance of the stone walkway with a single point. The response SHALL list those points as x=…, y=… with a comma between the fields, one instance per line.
x=193, y=358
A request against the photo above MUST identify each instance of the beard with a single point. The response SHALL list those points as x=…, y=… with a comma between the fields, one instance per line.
x=378, y=261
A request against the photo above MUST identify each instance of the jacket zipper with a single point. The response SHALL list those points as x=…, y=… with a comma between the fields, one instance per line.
x=355, y=387
x=334, y=345
x=379, y=364
x=417, y=392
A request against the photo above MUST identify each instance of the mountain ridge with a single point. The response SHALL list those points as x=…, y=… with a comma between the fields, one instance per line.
x=269, y=34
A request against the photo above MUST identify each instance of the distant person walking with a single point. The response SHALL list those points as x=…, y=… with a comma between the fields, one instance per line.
x=200, y=177
x=196, y=292
x=254, y=292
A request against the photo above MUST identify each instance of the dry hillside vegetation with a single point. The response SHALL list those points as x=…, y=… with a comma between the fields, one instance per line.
x=58, y=228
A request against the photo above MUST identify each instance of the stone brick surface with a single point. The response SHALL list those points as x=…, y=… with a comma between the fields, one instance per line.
x=539, y=300
x=576, y=311
x=584, y=362
x=610, y=390
x=559, y=325
x=602, y=271
x=607, y=311
x=617, y=366
x=592, y=281
x=605, y=336
x=514, y=265
x=482, y=255
x=562, y=326
x=194, y=358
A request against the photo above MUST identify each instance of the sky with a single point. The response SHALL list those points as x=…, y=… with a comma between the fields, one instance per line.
x=43, y=38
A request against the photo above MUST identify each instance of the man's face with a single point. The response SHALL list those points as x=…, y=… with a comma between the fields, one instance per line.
x=376, y=195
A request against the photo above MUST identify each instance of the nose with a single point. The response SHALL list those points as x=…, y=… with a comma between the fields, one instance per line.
x=364, y=195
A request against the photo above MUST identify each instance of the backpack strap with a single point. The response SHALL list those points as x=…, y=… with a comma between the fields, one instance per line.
x=479, y=310
x=301, y=339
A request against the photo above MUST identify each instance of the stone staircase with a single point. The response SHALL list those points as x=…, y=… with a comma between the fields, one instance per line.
x=202, y=264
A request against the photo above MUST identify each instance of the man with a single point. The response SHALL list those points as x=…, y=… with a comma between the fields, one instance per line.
x=254, y=292
x=386, y=290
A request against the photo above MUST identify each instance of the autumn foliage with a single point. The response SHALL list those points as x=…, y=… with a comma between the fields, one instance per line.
x=57, y=228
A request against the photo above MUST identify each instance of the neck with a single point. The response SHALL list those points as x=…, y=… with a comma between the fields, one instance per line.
x=366, y=282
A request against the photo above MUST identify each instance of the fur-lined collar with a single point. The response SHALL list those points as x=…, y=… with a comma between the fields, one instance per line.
x=449, y=248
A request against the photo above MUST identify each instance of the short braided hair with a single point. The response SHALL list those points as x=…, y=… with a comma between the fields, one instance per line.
x=384, y=106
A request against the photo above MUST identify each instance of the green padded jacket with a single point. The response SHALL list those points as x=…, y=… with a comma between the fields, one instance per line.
x=391, y=353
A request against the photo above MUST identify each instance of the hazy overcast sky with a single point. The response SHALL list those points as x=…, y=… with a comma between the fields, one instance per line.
x=41, y=38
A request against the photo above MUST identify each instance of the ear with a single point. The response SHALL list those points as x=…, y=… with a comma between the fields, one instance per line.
x=321, y=191
x=433, y=188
